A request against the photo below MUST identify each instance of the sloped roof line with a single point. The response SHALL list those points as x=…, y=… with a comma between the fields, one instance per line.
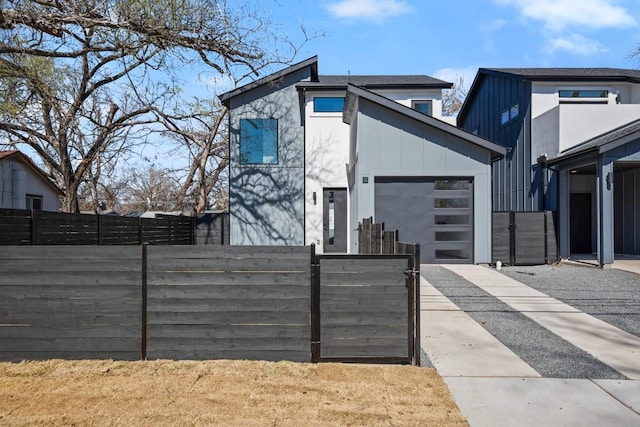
x=310, y=62
x=595, y=74
x=355, y=91
x=377, y=81
x=24, y=159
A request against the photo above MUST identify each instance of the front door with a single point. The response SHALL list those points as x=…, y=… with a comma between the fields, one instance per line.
x=580, y=223
x=334, y=220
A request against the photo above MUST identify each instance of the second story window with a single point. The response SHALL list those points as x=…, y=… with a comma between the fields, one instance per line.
x=33, y=202
x=584, y=96
x=425, y=107
x=509, y=114
x=328, y=104
x=258, y=141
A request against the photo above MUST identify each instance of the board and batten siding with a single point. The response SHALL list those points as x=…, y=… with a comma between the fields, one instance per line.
x=229, y=303
x=266, y=202
x=70, y=302
x=389, y=144
x=513, y=186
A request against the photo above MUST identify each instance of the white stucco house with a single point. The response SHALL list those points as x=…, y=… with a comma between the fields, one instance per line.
x=23, y=185
x=311, y=155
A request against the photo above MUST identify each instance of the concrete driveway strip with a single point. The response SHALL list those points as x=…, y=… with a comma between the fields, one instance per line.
x=530, y=402
x=609, y=344
x=458, y=346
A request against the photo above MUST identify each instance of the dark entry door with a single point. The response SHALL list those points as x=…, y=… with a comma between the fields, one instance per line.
x=435, y=212
x=334, y=220
x=580, y=223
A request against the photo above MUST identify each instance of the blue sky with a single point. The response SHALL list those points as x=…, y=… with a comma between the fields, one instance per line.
x=448, y=38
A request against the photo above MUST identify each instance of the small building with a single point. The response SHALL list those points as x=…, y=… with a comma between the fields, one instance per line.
x=302, y=166
x=23, y=185
x=572, y=148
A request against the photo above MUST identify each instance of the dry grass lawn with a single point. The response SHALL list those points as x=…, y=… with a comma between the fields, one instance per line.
x=222, y=392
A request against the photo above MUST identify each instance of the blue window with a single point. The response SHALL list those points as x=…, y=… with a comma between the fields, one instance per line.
x=328, y=104
x=258, y=141
x=423, y=106
x=592, y=93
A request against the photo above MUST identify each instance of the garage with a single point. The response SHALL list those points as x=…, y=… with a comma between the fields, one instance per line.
x=425, y=178
x=435, y=212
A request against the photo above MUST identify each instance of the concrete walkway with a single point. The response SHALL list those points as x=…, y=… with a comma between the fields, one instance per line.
x=493, y=386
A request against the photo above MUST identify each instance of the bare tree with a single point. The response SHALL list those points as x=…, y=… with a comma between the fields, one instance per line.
x=453, y=99
x=202, y=138
x=150, y=189
x=85, y=78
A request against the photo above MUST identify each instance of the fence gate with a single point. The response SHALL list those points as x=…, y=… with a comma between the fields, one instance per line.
x=364, y=309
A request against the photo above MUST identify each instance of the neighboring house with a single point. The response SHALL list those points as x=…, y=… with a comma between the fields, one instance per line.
x=573, y=147
x=23, y=185
x=312, y=155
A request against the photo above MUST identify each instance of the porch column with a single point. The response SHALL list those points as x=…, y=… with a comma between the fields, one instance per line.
x=604, y=192
x=564, y=230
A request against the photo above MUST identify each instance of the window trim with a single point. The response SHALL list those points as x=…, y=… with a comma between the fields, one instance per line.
x=509, y=114
x=415, y=102
x=277, y=142
x=327, y=111
x=29, y=198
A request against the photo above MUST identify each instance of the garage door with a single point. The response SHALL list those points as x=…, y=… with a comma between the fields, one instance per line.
x=435, y=212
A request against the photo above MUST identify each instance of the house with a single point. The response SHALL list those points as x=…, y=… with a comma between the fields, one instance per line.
x=23, y=185
x=312, y=155
x=572, y=148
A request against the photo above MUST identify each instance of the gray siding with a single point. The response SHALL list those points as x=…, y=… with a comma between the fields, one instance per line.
x=627, y=212
x=267, y=201
x=391, y=144
x=512, y=180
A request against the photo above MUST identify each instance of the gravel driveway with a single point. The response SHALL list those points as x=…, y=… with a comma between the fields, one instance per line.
x=611, y=295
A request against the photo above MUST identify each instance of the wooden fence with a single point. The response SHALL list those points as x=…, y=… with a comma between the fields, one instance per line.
x=189, y=302
x=524, y=238
x=212, y=228
x=373, y=239
x=24, y=227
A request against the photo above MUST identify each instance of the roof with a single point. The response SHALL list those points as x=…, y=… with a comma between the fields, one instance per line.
x=354, y=92
x=376, y=82
x=552, y=74
x=568, y=74
x=311, y=62
x=15, y=155
x=602, y=143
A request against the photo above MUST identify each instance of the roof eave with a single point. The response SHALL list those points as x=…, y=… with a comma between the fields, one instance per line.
x=496, y=150
x=311, y=62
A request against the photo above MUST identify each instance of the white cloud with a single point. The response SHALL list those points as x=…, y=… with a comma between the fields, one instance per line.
x=493, y=25
x=558, y=15
x=576, y=44
x=369, y=10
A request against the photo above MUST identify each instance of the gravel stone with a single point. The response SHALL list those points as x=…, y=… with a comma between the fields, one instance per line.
x=544, y=351
x=609, y=295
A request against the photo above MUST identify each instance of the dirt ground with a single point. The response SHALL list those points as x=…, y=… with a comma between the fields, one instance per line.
x=222, y=392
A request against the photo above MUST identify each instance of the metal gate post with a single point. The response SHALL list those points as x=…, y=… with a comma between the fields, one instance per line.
x=416, y=307
x=315, y=305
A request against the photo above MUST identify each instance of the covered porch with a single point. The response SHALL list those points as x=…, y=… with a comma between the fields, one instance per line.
x=598, y=197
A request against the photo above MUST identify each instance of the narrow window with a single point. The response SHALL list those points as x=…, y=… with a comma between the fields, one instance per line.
x=328, y=104
x=332, y=216
x=597, y=93
x=33, y=202
x=258, y=141
x=423, y=106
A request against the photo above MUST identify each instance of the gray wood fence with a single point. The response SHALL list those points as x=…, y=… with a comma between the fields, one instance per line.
x=524, y=238
x=195, y=302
